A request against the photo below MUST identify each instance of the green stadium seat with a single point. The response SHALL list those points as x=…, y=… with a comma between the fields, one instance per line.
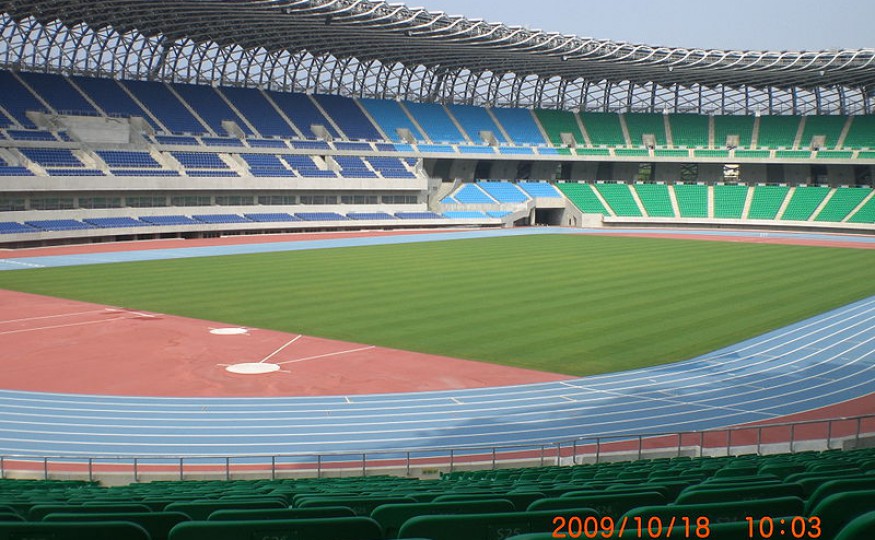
x=619, y=197
x=692, y=200
x=767, y=200
x=520, y=500
x=828, y=126
x=556, y=122
x=157, y=524
x=690, y=130
x=724, y=511
x=729, y=201
x=604, y=129
x=10, y=516
x=842, y=202
x=606, y=503
x=741, y=126
x=640, y=124
x=833, y=487
x=201, y=510
x=804, y=202
x=281, y=513
x=361, y=505
x=839, y=509
x=778, y=131
x=392, y=516
x=743, y=492
x=66, y=530
x=860, y=528
x=345, y=528
x=582, y=196
x=862, y=132
x=38, y=512
x=655, y=199
x=494, y=526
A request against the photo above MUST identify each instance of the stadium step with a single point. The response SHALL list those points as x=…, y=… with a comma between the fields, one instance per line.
x=785, y=204
x=840, y=143
x=583, y=131
x=857, y=208
x=822, y=204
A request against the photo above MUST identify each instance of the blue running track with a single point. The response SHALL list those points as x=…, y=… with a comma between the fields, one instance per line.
x=821, y=361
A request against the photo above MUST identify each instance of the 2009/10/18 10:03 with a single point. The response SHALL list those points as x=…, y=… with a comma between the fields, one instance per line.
x=638, y=527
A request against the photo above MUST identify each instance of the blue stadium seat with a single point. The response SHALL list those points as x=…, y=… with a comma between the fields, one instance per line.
x=110, y=222
x=59, y=225
x=369, y=215
x=199, y=160
x=389, y=115
x=128, y=159
x=52, y=157
x=58, y=93
x=30, y=135
x=543, y=190
x=209, y=105
x=474, y=120
x=520, y=125
x=220, y=218
x=168, y=220
x=349, y=117
x=503, y=192
x=261, y=114
x=275, y=217
x=111, y=98
x=417, y=215
x=165, y=106
x=11, y=227
x=320, y=216
x=472, y=194
x=17, y=100
x=301, y=111
x=436, y=122
x=221, y=141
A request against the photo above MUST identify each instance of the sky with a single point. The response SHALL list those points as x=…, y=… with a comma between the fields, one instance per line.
x=715, y=24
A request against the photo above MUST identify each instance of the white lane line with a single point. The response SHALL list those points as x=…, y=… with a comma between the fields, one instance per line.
x=276, y=352
x=456, y=401
x=29, y=265
x=25, y=319
x=326, y=355
x=62, y=326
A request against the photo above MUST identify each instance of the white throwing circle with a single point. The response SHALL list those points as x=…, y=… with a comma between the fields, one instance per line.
x=252, y=368
x=229, y=331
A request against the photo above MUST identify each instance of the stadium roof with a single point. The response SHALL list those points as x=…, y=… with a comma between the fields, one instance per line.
x=366, y=48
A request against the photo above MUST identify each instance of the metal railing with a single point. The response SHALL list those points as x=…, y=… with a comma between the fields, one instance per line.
x=775, y=437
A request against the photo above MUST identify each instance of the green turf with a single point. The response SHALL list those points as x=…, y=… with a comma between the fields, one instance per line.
x=567, y=304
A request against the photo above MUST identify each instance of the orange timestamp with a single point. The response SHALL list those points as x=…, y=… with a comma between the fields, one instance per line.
x=631, y=527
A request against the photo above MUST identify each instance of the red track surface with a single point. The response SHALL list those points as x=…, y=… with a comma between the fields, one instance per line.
x=55, y=345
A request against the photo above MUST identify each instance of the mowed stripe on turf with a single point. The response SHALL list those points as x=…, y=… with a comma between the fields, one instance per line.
x=561, y=303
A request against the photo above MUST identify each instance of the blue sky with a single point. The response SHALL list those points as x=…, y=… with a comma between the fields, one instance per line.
x=727, y=24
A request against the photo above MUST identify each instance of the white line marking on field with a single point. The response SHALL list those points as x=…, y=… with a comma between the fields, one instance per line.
x=327, y=355
x=60, y=326
x=566, y=398
x=347, y=399
x=456, y=401
x=29, y=265
x=54, y=316
x=274, y=353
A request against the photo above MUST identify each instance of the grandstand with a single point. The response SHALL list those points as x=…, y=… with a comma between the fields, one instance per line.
x=383, y=154
x=128, y=121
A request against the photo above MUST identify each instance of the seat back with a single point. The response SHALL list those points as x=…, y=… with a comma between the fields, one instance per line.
x=344, y=528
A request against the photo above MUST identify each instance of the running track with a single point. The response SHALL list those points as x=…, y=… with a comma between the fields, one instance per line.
x=812, y=364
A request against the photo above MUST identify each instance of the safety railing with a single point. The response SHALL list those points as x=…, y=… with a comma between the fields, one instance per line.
x=767, y=438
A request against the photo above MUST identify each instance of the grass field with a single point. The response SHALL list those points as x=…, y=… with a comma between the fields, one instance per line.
x=569, y=304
